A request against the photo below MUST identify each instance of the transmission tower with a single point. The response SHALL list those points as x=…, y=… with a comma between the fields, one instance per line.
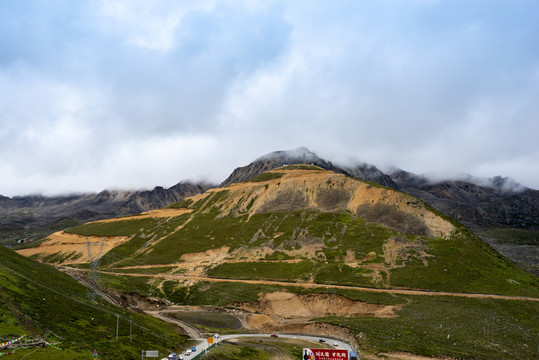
x=94, y=258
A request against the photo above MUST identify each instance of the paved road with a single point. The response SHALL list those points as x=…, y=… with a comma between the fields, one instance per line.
x=203, y=345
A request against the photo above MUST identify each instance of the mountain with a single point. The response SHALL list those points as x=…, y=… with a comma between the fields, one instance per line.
x=329, y=227
x=33, y=217
x=42, y=304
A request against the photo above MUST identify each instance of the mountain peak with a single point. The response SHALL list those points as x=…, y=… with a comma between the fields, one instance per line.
x=276, y=159
x=300, y=155
x=506, y=184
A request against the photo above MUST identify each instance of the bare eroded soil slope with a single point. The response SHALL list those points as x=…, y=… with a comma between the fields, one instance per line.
x=330, y=192
x=70, y=248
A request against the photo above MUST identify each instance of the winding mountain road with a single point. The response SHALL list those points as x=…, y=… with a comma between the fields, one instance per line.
x=203, y=345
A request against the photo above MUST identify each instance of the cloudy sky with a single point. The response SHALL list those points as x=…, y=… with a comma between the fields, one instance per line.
x=134, y=94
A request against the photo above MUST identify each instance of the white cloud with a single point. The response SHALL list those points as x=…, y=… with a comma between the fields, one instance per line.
x=199, y=88
x=150, y=25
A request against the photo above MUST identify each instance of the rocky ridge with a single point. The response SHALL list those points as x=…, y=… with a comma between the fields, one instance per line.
x=360, y=171
x=493, y=205
x=32, y=217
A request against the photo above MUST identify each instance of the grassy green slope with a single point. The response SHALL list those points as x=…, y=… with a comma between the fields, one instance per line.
x=466, y=264
x=36, y=300
x=459, y=328
x=460, y=264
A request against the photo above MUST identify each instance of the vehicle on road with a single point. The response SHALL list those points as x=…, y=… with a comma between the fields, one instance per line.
x=274, y=335
x=193, y=349
x=188, y=352
x=321, y=340
x=335, y=343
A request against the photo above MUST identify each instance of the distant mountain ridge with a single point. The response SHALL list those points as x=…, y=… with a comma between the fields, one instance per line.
x=500, y=203
x=35, y=216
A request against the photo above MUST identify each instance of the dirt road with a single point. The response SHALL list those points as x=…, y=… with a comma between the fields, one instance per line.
x=325, y=286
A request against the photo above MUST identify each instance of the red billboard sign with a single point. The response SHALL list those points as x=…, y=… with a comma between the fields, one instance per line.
x=324, y=354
